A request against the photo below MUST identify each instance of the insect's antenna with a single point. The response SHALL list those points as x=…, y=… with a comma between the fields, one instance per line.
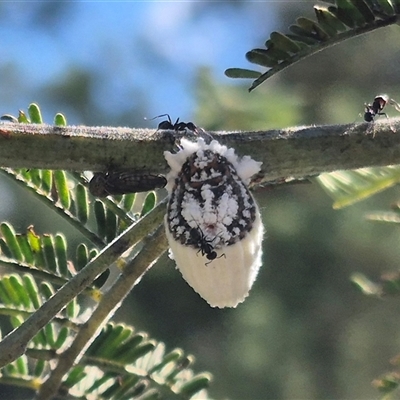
x=394, y=104
x=159, y=116
x=197, y=224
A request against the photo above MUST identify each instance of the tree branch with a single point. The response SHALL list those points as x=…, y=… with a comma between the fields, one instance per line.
x=291, y=152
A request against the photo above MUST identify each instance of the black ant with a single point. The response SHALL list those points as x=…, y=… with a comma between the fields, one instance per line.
x=374, y=109
x=199, y=239
x=177, y=126
x=379, y=103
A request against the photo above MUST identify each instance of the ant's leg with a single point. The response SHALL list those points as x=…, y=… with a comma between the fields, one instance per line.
x=216, y=258
x=391, y=127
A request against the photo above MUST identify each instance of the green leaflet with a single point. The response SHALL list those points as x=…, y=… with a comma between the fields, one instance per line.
x=49, y=253
x=386, y=6
x=111, y=226
x=149, y=203
x=363, y=8
x=60, y=120
x=100, y=215
x=82, y=203
x=128, y=201
x=35, y=114
x=32, y=290
x=18, y=287
x=196, y=384
x=60, y=245
x=328, y=21
x=284, y=42
x=61, y=184
x=260, y=57
x=11, y=241
x=82, y=256
x=26, y=249
x=242, y=73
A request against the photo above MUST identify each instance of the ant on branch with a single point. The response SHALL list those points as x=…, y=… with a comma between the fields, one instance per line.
x=177, y=126
x=205, y=245
x=379, y=103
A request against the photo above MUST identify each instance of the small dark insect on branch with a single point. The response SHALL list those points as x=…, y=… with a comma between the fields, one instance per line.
x=124, y=181
x=177, y=126
x=379, y=103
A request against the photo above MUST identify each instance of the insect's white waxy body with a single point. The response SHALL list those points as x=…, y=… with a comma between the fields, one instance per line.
x=213, y=224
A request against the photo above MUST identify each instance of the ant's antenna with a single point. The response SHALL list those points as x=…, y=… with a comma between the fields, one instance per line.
x=394, y=104
x=158, y=116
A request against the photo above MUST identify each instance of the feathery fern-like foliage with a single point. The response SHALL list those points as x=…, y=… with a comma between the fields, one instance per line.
x=348, y=187
x=336, y=21
x=388, y=285
x=119, y=363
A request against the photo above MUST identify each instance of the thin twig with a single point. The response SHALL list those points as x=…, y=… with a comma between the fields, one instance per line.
x=154, y=247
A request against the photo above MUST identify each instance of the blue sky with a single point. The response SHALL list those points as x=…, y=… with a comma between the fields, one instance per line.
x=131, y=47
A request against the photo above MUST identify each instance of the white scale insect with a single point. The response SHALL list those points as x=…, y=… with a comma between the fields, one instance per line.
x=213, y=224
